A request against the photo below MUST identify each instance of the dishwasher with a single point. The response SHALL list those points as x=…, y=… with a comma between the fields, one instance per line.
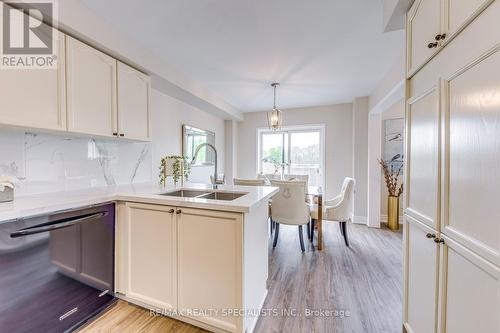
x=56, y=270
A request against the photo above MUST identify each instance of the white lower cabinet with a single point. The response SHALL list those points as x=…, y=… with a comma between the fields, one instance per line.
x=187, y=261
x=148, y=245
x=421, y=277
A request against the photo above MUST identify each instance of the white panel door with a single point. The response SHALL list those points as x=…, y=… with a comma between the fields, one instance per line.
x=91, y=90
x=472, y=161
x=471, y=291
x=421, y=278
x=150, y=248
x=35, y=98
x=133, y=103
x=424, y=23
x=458, y=13
x=210, y=265
x=423, y=157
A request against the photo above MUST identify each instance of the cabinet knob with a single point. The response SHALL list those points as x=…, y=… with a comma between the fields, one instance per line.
x=432, y=45
x=440, y=37
x=171, y=211
x=122, y=135
x=115, y=134
x=178, y=211
x=429, y=235
x=439, y=240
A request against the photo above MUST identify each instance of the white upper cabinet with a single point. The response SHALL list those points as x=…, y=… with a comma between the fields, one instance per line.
x=458, y=13
x=133, y=103
x=35, y=98
x=91, y=90
x=423, y=157
x=424, y=24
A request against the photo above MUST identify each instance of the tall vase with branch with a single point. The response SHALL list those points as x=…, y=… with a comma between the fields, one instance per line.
x=277, y=165
x=395, y=189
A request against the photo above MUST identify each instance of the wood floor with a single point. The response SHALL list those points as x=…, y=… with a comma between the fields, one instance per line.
x=339, y=289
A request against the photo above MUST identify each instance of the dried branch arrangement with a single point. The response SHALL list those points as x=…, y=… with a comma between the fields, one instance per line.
x=391, y=179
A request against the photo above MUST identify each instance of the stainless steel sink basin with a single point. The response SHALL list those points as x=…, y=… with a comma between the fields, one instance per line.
x=186, y=193
x=205, y=194
x=226, y=196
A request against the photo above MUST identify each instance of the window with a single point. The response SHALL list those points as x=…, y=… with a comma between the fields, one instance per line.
x=292, y=151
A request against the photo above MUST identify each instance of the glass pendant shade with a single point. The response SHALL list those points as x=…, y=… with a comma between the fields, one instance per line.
x=274, y=117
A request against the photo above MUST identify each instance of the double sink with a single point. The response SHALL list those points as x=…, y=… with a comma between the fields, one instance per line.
x=205, y=194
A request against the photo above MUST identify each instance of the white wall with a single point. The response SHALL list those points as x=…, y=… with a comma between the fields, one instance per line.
x=360, y=158
x=168, y=116
x=338, y=140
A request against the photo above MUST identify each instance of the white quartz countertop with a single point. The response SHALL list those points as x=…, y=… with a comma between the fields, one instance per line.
x=31, y=205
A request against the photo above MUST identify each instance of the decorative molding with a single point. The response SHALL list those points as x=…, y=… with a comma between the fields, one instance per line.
x=383, y=218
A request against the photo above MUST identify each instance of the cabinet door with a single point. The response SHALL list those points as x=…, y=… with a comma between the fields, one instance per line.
x=91, y=90
x=210, y=265
x=424, y=23
x=150, y=261
x=458, y=13
x=472, y=159
x=133, y=103
x=471, y=291
x=35, y=97
x=422, y=190
x=421, y=278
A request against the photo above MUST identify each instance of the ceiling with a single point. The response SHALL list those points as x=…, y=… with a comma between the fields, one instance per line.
x=321, y=51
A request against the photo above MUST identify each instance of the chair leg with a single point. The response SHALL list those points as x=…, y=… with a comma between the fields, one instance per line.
x=276, y=233
x=311, y=238
x=271, y=225
x=341, y=229
x=301, y=237
x=344, y=232
x=308, y=226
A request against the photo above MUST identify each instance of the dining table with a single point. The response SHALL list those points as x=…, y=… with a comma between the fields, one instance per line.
x=316, y=193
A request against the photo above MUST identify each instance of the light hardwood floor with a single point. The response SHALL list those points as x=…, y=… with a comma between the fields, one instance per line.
x=364, y=281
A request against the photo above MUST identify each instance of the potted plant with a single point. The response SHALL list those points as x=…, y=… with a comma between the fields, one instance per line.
x=395, y=190
x=176, y=166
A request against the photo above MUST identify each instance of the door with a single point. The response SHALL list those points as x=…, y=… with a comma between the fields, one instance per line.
x=421, y=277
x=35, y=97
x=422, y=157
x=133, y=103
x=150, y=254
x=424, y=24
x=458, y=13
x=210, y=265
x=91, y=90
x=471, y=187
x=471, y=293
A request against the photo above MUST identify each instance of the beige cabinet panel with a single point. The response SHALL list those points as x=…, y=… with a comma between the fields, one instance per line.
x=472, y=187
x=471, y=293
x=421, y=271
x=133, y=103
x=210, y=265
x=459, y=12
x=91, y=90
x=423, y=157
x=150, y=261
x=35, y=98
x=424, y=23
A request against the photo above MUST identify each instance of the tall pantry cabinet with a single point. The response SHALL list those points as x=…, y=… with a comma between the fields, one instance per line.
x=452, y=197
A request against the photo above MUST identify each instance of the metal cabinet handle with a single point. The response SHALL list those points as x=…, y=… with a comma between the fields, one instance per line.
x=122, y=135
x=178, y=211
x=429, y=235
x=171, y=211
x=439, y=240
x=115, y=134
x=432, y=45
x=440, y=37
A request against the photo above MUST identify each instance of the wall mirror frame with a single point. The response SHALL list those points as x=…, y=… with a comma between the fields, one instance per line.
x=192, y=137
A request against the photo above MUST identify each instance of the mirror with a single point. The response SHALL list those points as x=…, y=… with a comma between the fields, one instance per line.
x=192, y=137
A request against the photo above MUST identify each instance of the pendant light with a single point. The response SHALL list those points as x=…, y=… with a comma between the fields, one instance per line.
x=274, y=118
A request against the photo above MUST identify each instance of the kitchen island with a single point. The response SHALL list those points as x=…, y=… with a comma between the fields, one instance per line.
x=202, y=260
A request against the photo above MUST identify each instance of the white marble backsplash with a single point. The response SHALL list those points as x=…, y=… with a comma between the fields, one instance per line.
x=54, y=162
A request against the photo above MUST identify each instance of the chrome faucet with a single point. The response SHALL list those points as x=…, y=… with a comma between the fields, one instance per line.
x=214, y=180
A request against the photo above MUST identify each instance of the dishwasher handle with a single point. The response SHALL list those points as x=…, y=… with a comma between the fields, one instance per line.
x=54, y=225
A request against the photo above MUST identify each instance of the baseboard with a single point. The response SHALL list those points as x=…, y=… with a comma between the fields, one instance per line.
x=383, y=218
x=360, y=220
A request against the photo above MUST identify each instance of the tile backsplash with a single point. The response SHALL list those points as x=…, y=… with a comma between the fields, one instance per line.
x=54, y=162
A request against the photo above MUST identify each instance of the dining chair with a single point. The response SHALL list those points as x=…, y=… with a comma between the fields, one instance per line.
x=340, y=209
x=304, y=178
x=249, y=182
x=289, y=207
